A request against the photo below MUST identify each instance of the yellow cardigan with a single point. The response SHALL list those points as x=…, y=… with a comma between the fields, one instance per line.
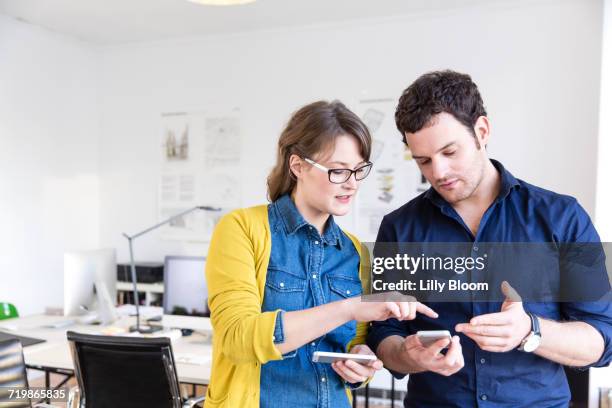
x=236, y=269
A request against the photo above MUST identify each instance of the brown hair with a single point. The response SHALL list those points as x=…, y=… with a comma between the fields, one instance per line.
x=436, y=92
x=311, y=130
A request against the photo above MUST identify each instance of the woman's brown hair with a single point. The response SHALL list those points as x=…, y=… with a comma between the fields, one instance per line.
x=311, y=130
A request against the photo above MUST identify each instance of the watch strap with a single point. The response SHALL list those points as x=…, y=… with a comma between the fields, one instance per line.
x=535, y=324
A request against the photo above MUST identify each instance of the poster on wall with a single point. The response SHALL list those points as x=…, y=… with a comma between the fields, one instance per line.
x=395, y=178
x=199, y=154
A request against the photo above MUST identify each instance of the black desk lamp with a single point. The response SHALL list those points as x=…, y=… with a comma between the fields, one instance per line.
x=148, y=328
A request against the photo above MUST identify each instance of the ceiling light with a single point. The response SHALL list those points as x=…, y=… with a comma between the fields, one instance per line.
x=222, y=2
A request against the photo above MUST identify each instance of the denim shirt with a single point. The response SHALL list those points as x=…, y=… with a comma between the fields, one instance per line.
x=306, y=269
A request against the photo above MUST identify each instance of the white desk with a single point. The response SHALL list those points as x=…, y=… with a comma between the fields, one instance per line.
x=54, y=354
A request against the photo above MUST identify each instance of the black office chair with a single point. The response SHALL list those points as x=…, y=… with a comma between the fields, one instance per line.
x=13, y=375
x=12, y=372
x=116, y=372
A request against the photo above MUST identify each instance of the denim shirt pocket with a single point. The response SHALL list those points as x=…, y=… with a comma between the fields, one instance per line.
x=343, y=287
x=284, y=290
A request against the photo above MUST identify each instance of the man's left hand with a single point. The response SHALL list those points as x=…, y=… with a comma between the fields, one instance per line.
x=503, y=331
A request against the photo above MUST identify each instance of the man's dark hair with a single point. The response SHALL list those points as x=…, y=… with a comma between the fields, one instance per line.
x=437, y=92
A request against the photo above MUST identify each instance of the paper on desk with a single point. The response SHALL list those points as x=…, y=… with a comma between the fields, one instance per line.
x=145, y=311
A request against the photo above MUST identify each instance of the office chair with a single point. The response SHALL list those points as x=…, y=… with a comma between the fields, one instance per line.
x=13, y=375
x=12, y=372
x=126, y=372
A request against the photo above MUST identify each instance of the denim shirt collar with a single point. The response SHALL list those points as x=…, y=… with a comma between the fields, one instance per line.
x=508, y=182
x=293, y=221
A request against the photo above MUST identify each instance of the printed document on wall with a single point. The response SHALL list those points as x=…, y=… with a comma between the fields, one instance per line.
x=395, y=178
x=198, y=152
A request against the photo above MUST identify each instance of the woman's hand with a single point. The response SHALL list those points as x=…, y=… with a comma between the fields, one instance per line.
x=363, y=311
x=354, y=372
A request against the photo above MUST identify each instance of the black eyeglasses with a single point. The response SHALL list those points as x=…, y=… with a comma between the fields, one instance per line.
x=339, y=176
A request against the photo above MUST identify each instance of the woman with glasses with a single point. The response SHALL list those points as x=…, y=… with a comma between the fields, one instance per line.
x=284, y=280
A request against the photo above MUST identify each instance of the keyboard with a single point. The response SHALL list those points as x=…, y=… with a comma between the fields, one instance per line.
x=58, y=324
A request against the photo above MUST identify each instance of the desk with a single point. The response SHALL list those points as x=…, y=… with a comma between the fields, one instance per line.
x=53, y=356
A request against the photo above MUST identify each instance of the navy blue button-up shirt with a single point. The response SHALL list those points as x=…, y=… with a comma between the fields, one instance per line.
x=521, y=213
x=305, y=270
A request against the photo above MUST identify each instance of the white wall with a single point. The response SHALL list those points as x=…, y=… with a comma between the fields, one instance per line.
x=604, y=172
x=537, y=64
x=49, y=129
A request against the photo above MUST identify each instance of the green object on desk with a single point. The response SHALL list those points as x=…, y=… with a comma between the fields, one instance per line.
x=7, y=311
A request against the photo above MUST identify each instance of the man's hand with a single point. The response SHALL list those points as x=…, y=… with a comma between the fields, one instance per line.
x=503, y=331
x=430, y=358
x=354, y=372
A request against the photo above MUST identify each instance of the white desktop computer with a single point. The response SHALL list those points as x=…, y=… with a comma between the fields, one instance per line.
x=90, y=285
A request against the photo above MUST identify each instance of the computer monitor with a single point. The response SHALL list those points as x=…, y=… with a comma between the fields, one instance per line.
x=90, y=281
x=185, y=291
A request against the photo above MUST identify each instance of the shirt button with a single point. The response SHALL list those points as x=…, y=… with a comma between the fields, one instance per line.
x=348, y=292
x=475, y=248
x=316, y=242
x=322, y=379
x=312, y=344
x=482, y=361
x=314, y=276
x=483, y=397
x=282, y=284
x=273, y=338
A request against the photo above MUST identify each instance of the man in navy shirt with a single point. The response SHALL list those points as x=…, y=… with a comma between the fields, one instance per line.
x=506, y=353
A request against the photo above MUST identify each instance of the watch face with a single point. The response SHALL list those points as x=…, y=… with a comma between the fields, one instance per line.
x=532, y=343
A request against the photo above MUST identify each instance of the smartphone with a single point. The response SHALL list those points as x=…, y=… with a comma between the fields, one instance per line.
x=428, y=337
x=329, y=357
